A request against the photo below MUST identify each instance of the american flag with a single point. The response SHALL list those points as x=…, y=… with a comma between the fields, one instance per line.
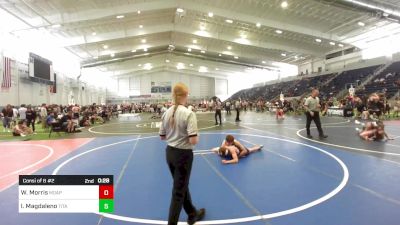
x=6, y=82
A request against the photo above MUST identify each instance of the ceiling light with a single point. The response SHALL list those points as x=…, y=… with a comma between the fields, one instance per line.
x=147, y=66
x=229, y=47
x=264, y=62
x=120, y=16
x=145, y=49
x=258, y=24
x=143, y=41
x=202, y=51
x=105, y=46
x=318, y=40
x=283, y=54
x=361, y=24
x=167, y=61
x=229, y=21
x=236, y=57
x=140, y=26
x=190, y=64
x=296, y=57
x=94, y=33
x=180, y=10
x=210, y=14
x=138, y=12
x=139, y=65
x=332, y=43
x=284, y=4
x=219, y=54
x=194, y=41
x=180, y=66
x=134, y=50
x=56, y=26
x=216, y=69
x=95, y=57
x=340, y=45
x=189, y=49
x=278, y=32
x=112, y=54
x=203, y=69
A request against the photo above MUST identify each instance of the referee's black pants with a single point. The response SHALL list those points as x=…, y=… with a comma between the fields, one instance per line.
x=317, y=122
x=218, y=114
x=180, y=165
x=237, y=114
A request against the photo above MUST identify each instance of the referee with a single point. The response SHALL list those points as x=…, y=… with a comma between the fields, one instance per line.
x=312, y=107
x=179, y=130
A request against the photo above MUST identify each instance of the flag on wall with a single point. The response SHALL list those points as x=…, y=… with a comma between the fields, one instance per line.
x=53, y=88
x=6, y=82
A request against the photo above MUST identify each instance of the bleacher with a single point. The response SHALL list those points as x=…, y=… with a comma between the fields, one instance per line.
x=356, y=77
x=306, y=84
x=388, y=81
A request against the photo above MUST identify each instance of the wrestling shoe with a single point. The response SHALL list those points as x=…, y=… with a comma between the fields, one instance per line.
x=199, y=216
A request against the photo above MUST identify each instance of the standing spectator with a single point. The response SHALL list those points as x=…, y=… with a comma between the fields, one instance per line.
x=43, y=115
x=396, y=107
x=228, y=107
x=237, y=108
x=22, y=112
x=312, y=107
x=7, y=117
x=30, y=117
x=179, y=129
x=15, y=116
x=218, y=107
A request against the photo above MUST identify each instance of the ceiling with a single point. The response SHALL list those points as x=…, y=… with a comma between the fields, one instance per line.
x=105, y=34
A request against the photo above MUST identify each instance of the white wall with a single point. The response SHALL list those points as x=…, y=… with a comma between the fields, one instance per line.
x=24, y=91
x=199, y=86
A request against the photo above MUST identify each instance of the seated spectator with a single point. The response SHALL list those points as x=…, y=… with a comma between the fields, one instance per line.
x=66, y=122
x=21, y=129
x=50, y=119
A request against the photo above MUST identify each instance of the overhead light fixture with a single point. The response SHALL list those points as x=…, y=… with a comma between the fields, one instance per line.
x=94, y=33
x=216, y=69
x=56, y=26
x=229, y=47
x=145, y=49
x=219, y=54
x=332, y=43
x=190, y=64
x=95, y=57
x=189, y=49
x=283, y=54
x=361, y=24
x=264, y=62
x=105, y=46
x=180, y=10
x=278, y=32
x=120, y=16
x=284, y=4
x=203, y=69
x=210, y=14
x=143, y=41
x=112, y=54
x=180, y=66
x=138, y=12
x=318, y=40
x=258, y=24
x=140, y=26
x=296, y=57
x=340, y=45
x=139, y=65
x=167, y=61
x=134, y=50
x=147, y=66
x=202, y=51
x=229, y=21
x=236, y=57
x=194, y=41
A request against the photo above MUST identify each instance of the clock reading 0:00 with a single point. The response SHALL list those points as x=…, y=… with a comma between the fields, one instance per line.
x=103, y=180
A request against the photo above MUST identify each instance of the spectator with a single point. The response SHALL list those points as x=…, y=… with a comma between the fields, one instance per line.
x=21, y=129
x=7, y=117
x=22, y=112
x=43, y=115
x=30, y=117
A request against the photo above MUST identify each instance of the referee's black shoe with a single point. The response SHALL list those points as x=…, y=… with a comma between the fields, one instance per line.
x=199, y=216
x=309, y=136
x=323, y=136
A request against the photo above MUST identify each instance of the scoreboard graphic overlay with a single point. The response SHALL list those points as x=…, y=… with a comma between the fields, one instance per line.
x=66, y=193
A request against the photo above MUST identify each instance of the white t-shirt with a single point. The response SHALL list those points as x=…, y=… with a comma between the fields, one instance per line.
x=15, y=113
x=185, y=127
x=22, y=113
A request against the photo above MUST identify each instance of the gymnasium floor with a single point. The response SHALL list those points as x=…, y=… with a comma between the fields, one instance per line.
x=292, y=181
